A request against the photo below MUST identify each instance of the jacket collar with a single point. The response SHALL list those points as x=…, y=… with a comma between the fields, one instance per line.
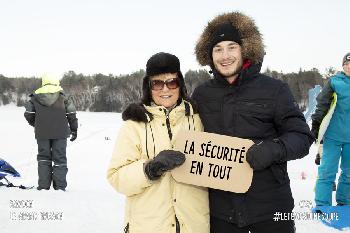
x=341, y=74
x=144, y=113
x=245, y=75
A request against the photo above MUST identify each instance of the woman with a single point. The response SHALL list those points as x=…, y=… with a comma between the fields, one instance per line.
x=143, y=156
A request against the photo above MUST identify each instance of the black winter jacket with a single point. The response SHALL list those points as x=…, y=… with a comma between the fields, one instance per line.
x=324, y=100
x=50, y=114
x=255, y=107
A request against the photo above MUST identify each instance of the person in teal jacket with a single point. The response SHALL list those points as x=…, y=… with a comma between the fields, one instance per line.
x=336, y=139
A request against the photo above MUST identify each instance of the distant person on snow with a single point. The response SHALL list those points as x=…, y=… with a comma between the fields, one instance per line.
x=144, y=155
x=331, y=123
x=53, y=116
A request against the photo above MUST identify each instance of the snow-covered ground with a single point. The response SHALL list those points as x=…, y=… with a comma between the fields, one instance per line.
x=90, y=205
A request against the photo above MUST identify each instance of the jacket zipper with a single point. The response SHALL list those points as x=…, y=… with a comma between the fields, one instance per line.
x=177, y=225
x=126, y=229
x=167, y=121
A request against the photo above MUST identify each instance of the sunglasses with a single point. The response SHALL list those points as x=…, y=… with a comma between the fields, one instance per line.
x=157, y=85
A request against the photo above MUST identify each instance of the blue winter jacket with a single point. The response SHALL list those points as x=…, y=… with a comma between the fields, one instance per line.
x=339, y=126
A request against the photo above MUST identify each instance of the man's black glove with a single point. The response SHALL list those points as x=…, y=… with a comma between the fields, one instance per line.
x=164, y=161
x=261, y=155
x=74, y=136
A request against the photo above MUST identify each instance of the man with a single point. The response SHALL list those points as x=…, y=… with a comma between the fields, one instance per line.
x=49, y=111
x=241, y=102
x=333, y=110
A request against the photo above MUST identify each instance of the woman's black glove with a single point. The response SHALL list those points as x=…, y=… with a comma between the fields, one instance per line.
x=166, y=160
x=263, y=154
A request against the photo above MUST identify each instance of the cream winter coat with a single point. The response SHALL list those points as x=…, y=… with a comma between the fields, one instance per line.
x=151, y=206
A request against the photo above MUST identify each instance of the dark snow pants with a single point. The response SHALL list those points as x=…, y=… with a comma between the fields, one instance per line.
x=221, y=226
x=52, y=163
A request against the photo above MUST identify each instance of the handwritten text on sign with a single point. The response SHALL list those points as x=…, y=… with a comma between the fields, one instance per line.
x=214, y=161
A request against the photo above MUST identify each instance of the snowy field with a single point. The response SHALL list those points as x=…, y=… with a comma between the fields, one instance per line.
x=90, y=205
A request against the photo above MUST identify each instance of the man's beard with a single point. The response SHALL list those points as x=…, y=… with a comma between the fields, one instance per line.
x=232, y=73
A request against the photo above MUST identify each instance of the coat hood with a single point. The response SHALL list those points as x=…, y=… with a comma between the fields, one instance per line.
x=49, y=84
x=47, y=99
x=250, y=37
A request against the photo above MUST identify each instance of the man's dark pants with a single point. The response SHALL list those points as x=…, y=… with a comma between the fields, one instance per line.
x=52, y=163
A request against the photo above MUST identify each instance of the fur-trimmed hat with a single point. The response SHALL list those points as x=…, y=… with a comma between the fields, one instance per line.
x=244, y=32
x=162, y=63
x=346, y=58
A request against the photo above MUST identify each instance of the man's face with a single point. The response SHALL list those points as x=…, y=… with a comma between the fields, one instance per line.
x=346, y=68
x=227, y=58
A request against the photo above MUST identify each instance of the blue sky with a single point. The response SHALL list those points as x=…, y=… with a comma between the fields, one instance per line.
x=117, y=37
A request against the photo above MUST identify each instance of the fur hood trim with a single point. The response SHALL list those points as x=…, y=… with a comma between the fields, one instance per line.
x=252, y=42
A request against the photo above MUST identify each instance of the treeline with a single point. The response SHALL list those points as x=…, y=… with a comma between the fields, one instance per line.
x=300, y=83
x=109, y=93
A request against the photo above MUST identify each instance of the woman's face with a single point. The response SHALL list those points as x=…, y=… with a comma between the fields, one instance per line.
x=165, y=89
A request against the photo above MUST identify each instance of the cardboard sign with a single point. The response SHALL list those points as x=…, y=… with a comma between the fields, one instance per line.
x=214, y=161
